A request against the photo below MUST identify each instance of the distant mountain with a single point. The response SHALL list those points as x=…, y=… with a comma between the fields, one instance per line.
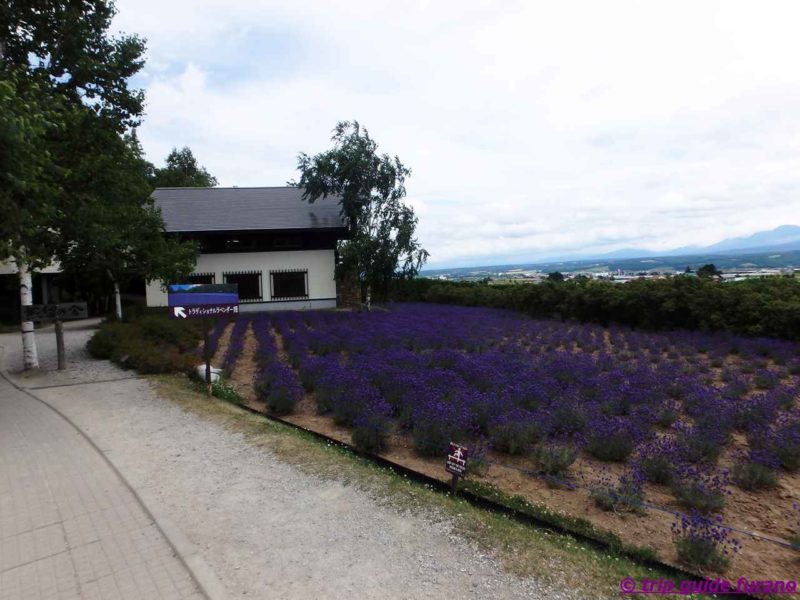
x=785, y=236
x=783, y=239
x=752, y=249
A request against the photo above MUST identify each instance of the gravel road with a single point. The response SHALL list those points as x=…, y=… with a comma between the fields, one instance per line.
x=267, y=529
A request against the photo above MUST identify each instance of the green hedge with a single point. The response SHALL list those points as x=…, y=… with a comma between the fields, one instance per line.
x=757, y=307
x=148, y=343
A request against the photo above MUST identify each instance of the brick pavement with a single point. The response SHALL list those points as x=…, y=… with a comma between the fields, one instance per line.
x=69, y=526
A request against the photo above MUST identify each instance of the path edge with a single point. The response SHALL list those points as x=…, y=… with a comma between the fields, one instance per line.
x=200, y=571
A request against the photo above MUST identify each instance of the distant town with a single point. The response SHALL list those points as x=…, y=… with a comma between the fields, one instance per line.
x=535, y=275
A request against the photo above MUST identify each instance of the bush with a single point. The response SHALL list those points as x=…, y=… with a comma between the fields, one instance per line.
x=754, y=476
x=371, y=434
x=515, y=432
x=553, y=459
x=657, y=469
x=282, y=399
x=148, y=344
x=703, y=491
x=626, y=496
x=103, y=343
x=612, y=446
x=701, y=542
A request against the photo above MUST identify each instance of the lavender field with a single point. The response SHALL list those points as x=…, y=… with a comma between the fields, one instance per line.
x=704, y=425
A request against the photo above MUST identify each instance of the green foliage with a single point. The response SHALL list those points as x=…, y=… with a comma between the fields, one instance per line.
x=280, y=400
x=756, y=307
x=658, y=469
x=693, y=495
x=371, y=435
x=754, y=476
x=515, y=437
x=151, y=344
x=701, y=552
x=555, y=276
x=224, y=391
x=371, y=187
x=554, y=459
x=182, y=170
x=709, y=270
x=73, y=182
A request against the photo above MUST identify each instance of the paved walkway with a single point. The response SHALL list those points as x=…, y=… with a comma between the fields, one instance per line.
x=69, y=525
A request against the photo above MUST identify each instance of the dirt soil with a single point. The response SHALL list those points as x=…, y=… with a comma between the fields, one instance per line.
x=768, y=513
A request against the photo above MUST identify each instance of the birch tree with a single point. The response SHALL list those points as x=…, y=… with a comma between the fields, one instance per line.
x=382, y=242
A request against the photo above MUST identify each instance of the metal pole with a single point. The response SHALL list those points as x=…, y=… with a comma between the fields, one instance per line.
x=207, y=354
x=62, y=359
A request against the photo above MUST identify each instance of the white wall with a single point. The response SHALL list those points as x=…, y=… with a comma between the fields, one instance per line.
x=320, y=265
x=9, y=267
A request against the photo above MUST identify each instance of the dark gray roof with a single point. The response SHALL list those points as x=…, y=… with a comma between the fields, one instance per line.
x=237, y=209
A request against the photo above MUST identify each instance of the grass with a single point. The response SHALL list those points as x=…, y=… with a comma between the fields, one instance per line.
x=521, y=549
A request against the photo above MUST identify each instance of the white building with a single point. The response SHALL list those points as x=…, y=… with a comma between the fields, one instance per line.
x=279, y=249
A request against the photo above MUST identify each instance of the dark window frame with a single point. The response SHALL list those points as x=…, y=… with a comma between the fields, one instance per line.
x=242, y=300
x=272, y=285
x=193, y=278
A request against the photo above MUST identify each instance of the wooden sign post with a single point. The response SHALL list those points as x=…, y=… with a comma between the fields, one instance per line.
x=456, y=463
x=58, y=313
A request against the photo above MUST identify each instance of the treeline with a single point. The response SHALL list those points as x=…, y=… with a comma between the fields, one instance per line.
x=757, y=307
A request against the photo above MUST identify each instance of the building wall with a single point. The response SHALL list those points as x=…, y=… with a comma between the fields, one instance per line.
x=319, y=263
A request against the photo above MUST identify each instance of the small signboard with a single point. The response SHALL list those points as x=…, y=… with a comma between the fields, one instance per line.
x=64, y=311
x=202, y=300
x=456, y=460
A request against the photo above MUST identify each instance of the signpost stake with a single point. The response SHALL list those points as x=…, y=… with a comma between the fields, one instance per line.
x=456, y=464
x=207, y=356
x=62, y=359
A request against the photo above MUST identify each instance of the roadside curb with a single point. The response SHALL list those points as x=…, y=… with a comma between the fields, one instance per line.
x=199, y=570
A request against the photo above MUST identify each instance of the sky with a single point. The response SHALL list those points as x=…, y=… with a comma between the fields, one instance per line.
x=532, y=129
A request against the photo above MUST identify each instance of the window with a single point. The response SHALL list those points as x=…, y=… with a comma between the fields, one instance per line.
x=249, y=283
x=289, y=284
x=201, y=278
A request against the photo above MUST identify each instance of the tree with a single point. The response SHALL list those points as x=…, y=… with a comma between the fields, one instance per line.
x=183, y=170
x=382, y=245
x=59, y=58
x=708, y=270
x=120, y=229
x=27, y=188
x=555, y=276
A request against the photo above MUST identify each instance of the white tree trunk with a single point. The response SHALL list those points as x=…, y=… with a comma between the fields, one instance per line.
x=30, y=357
x=118, y=301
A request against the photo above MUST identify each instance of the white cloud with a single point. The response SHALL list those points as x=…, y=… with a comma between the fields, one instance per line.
x=532, y=128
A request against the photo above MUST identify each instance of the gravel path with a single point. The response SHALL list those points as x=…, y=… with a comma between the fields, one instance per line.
x=267, y=529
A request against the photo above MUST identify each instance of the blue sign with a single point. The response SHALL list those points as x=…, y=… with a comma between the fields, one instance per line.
x=193, y=300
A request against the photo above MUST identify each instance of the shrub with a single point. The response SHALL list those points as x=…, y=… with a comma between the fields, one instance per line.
x=568, y=417
x=702, y=542
x=657, y=469
x=371, y=433
x=700, y=443
x=515, y=432
x=282, y=398
x=611, y=440
x=764, y=379
x=752, y=475
x=435, y=424
x=701, y=490
x=553, y=458
x=103, y=343
x=626, y=496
